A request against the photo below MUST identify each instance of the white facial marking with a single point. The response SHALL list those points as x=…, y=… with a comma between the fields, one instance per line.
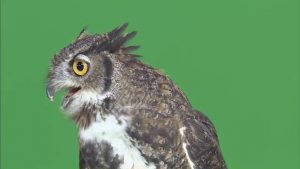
x=111, y=131
x=184, y=144
x=85, y=96
x=83, y=57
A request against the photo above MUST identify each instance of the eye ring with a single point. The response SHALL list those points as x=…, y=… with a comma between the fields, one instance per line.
x=80, y=67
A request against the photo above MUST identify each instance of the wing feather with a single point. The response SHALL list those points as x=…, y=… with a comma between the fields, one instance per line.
x=202, y=142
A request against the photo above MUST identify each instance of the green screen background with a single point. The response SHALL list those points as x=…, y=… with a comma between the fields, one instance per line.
x=236, y=60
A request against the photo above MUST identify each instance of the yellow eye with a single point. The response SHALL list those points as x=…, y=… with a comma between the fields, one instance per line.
x=80, y=67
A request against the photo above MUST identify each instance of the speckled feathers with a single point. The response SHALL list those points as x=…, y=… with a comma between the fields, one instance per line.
x=129, y=114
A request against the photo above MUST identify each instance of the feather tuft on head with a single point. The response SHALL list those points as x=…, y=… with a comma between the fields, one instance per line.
x=83, y=33
x=115, y=41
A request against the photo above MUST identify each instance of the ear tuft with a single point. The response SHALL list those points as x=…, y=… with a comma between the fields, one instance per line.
x=113, y=41
x=83, y=33
x=116, y=40
x=129, y=49
x=117, y=31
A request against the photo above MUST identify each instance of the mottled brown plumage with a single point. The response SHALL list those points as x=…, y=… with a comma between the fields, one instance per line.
x=158, y=125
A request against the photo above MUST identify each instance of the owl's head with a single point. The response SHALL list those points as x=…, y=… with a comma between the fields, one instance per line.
x=85, y=68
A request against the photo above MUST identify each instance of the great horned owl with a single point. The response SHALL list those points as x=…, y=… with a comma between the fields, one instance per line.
x=129, y=115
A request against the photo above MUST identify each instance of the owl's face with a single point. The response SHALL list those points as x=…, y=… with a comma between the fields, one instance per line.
x=85, y=68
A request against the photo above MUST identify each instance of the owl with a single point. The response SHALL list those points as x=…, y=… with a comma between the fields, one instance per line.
x=129, y=115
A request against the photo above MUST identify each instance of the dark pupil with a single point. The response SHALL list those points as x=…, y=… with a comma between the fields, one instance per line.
x=80, y=66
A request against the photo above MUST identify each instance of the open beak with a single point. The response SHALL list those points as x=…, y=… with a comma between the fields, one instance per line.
x=51, y=90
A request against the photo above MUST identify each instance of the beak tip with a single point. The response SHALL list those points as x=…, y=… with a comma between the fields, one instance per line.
x=50, y=96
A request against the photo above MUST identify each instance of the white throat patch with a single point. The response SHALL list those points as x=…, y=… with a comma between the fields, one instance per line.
x=83, y=97
x=113, y=132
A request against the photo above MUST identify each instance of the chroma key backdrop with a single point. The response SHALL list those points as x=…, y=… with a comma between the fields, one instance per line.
x=236, y=60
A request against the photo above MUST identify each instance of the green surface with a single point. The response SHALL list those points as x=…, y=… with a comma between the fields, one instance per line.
x=236, y=60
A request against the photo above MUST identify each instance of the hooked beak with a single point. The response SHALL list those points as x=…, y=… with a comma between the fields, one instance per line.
x=50, y=92
x=52, y=88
